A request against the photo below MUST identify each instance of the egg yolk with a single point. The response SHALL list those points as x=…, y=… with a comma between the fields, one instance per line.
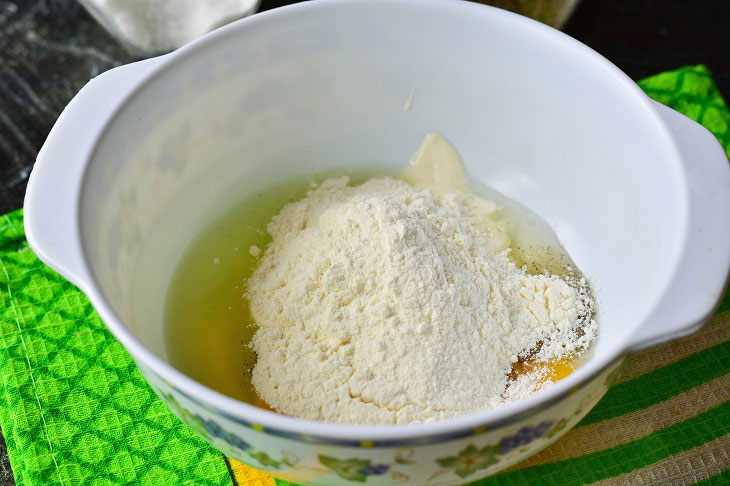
x=549, y=371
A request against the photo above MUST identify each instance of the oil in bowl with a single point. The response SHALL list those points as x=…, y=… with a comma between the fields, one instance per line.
x=208, y=322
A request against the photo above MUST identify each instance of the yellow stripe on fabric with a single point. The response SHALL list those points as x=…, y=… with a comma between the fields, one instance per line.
x=714, y=332
x=248, y=476
x=632, y=426
x=687, y=467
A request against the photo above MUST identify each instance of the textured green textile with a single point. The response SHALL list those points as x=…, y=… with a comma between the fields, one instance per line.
x=691, y=91
x=75, y=410
x=73, y=406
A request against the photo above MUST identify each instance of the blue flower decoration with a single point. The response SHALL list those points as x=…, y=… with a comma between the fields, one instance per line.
x=215, y=430
x=524, y=436
x=375, y=469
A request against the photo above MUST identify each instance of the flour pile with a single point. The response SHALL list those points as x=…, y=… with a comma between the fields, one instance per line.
x=387, y=304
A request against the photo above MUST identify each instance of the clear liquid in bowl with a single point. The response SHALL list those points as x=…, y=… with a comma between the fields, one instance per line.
x=208, y=324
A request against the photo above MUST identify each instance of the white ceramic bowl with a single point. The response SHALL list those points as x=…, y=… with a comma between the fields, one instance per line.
x=148, y=153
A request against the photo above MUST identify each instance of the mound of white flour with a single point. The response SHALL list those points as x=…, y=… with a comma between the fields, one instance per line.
x=384, y=304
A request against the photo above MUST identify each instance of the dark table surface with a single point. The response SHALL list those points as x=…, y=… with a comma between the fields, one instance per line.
x=50, y=48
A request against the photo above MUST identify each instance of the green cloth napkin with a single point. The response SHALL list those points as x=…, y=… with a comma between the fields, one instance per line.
x=75, y=410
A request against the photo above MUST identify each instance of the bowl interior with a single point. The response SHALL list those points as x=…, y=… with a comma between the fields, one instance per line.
x=533, y=113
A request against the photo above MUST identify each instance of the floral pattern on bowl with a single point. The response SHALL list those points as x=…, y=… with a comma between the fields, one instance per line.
x=485, y=451
x=353, y=469
x=470, y=460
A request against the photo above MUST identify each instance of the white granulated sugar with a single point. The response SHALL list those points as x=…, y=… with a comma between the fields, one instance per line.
x=163, y=25
x=386, y=304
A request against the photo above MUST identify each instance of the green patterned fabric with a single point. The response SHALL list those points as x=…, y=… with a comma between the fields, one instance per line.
x=73, y=406
x=75, y=410
x=691, y=91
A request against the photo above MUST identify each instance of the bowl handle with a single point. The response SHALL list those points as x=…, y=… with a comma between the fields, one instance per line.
x=701, y=278
x=51, y=212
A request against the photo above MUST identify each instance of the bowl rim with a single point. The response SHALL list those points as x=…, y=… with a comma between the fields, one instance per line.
x=375, y=435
